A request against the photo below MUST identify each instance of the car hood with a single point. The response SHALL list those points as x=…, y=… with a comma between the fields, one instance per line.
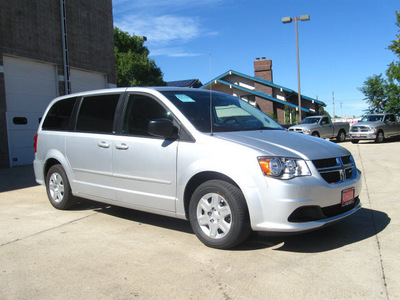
x=285, y=144
x=372, y=124
x=304, y=126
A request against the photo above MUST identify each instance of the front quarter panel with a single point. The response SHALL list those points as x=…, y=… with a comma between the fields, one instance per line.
x=210, y=154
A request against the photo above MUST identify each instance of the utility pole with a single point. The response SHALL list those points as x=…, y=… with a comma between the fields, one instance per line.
x=333, y=102
x=341, y=114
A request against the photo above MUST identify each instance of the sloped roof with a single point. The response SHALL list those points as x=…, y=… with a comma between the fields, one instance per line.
x=185, y=83
x=258, y=93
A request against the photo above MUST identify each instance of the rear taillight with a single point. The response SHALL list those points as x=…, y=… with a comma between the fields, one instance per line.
x=35, y=143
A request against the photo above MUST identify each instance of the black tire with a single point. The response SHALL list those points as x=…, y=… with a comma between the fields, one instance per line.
x=218, y=214
x=315, y=133
x=341, y=137
x=380, y=137
x=58, y=188
x=355, y=141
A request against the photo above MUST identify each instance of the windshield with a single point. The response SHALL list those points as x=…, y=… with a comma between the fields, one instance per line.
x=229, y=113
x=372, y=118
x=310, y=120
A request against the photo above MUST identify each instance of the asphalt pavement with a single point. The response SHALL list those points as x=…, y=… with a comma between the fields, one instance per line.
x=97, y=251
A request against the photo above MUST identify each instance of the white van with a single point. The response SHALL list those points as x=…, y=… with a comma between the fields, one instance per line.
x=193, y=154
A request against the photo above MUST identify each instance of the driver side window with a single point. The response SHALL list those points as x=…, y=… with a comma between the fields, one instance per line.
x=390, y=118
x=140, y=109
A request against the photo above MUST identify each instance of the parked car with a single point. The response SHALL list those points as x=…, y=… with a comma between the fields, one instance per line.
x=376, y=127
x=192, y=154
x=323, y=127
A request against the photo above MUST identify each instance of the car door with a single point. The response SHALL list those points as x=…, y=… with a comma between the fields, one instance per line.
x=326, y=128
x=391, y=125
x=144, y=165
x=89, y=147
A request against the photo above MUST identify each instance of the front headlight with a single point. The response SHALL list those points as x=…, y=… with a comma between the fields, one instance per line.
x=372, y=129
x=283, y=168
x=306, y=131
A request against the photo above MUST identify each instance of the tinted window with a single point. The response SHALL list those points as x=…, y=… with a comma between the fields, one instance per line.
x=140, y=109
x=390, y=118
x=325, y=121
x=59, y=115
x=96, y=113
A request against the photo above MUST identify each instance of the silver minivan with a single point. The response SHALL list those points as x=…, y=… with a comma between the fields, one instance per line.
x=192, y=154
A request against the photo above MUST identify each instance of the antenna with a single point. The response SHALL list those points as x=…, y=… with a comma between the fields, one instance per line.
x=211, y=102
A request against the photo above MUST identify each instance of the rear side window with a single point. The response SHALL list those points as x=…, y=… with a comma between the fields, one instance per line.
x=59, y=115
x=96, y=113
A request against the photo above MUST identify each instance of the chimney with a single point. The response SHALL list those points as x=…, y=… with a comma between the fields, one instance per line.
x=263, y=68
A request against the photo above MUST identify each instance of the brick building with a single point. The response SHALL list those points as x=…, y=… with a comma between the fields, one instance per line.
x=260, y=91
x=47, y=49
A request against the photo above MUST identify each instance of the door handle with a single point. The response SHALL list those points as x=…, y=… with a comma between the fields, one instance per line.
x=103, y=145
x=122, y=146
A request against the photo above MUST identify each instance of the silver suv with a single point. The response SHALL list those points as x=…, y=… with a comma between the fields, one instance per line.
x=192, y=154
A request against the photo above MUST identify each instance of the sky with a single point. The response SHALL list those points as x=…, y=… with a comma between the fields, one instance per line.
x=343, y=44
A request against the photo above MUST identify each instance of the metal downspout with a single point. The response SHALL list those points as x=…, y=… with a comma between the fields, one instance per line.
x=67, y=84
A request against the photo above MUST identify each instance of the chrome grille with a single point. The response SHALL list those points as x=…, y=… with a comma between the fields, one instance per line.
x=359, y=129
x=338, y=169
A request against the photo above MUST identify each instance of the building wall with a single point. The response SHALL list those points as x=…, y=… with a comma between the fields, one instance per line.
x=32, y=30
x=91, y=36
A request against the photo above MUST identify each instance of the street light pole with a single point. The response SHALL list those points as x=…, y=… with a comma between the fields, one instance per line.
x=298, y=67
x=289, y=20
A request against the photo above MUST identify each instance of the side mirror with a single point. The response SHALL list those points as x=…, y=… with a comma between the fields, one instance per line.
x=162, y=128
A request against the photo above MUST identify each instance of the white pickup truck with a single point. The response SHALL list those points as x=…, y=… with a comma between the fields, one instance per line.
x=323, y=127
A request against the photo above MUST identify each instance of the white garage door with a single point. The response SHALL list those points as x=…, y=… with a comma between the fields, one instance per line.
x=85, y=81
x=29, y=86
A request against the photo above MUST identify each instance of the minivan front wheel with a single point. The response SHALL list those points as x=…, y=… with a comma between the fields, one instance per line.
x=218, y=214
x=58, y=188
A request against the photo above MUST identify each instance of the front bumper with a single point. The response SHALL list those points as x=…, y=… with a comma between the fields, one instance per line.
x=362, y=136
x=302, y=204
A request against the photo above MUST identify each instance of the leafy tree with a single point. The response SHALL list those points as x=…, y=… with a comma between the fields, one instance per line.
x=322, y=111
x=273, y=116
x=288, y=111
x=133, y=66
x=375, y=92
x=383, y=94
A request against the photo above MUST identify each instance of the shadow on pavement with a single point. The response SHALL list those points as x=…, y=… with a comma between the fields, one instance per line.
x=361, y=225
x=135, y=215
x=17, y=178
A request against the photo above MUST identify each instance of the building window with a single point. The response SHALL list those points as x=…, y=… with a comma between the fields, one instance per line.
x=251, y=99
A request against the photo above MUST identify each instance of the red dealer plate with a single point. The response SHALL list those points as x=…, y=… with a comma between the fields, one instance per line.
x=347, y=197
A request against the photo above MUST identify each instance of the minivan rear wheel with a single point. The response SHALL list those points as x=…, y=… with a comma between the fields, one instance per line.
x=218, y=214
x=58, y=188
